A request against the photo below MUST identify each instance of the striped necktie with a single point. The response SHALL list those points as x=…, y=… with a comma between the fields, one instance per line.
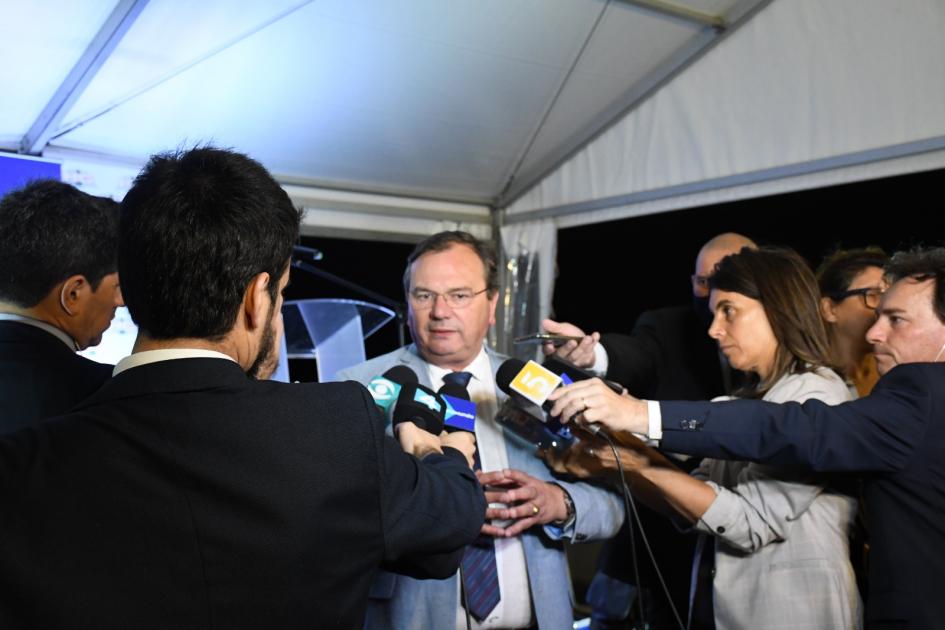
x=480, y=573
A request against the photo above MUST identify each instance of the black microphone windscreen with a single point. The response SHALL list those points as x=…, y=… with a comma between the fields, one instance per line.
x=507, y=372
x=401, y=374
x=560, y=366
x=414, y=405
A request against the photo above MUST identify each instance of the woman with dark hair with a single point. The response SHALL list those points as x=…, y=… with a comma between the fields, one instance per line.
x=851, y=283
x=781, y=558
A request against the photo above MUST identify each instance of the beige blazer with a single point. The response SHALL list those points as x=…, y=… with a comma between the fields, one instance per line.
x=781, y=536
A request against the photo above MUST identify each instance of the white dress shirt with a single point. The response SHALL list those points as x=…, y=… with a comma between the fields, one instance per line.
x=514, y=609
x=169, y=354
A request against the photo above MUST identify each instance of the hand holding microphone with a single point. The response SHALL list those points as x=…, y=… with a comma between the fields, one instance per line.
x=418, y=415
x=593, y=402
x=460, y=420
x=593, y=457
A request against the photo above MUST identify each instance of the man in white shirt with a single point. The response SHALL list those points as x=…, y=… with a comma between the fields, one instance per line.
x=452, y=289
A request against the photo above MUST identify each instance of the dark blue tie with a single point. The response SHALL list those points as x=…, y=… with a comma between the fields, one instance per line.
x=480, y=573
x=458, y=378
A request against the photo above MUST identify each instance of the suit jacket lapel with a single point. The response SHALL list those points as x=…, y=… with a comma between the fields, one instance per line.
x=411, y=358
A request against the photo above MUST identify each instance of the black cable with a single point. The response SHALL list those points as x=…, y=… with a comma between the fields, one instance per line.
x=628, y=502
x=631, y=508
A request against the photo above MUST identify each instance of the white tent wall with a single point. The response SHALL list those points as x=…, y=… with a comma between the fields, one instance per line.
x=805, y=94
x=344, y=214
x=527, y=282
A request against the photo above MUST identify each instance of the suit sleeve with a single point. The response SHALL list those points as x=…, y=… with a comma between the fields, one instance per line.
x=877, y=433
x=634, y=359
x=758, y=508
x=430, y=508
x=598, y=511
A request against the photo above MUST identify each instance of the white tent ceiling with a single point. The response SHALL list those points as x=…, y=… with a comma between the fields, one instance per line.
x=459, y=100
x=393, y=119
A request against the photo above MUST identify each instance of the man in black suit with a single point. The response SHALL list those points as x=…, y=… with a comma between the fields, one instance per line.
x=667, y=355
x=895, y=437
x=187, y=494
x=58, y=293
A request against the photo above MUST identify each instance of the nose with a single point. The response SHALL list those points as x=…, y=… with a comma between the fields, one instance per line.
x=440, y=309
x=877, y=332
x=119, y=299
x=716, y=330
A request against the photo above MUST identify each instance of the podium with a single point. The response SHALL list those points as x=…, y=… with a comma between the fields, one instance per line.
x=331, y=331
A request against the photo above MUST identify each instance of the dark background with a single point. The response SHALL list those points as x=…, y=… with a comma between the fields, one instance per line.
x=609, y=272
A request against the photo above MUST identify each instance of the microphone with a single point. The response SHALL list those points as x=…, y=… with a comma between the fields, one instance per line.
x=527, y=382
x=571, y=373
x=385, y=389
x=460, y=410
x=528, y=386
x=420, y=405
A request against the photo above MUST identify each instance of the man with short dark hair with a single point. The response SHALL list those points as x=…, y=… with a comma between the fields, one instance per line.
x=58, y=293
x=895, y=437
x=187, y=494
x=516, y=574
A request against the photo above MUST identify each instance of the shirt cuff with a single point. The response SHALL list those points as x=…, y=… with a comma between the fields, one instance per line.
x=555, y=532
x=601, y=360
x=721, y=512
x=655, y=431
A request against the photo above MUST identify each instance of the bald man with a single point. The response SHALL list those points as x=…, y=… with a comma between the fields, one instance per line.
x=669, y=356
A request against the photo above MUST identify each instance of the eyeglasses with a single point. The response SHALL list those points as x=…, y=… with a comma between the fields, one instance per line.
x=870, y=295
x=461, y=298
x=700, y=281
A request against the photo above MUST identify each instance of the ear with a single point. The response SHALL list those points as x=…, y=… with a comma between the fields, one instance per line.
x=256, y=301
x=74, y=292
x=493, y=301
x=828, y=310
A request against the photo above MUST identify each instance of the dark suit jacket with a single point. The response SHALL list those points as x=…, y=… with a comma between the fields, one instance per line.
x=40, y=377
x=895, y=436
x=185, y=495
x=669, y=355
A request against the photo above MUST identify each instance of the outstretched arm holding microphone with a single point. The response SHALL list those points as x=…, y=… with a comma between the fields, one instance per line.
x=653, y=478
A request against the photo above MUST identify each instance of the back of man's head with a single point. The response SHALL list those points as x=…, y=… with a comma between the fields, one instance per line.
x=50, y=231
x=196, y=227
